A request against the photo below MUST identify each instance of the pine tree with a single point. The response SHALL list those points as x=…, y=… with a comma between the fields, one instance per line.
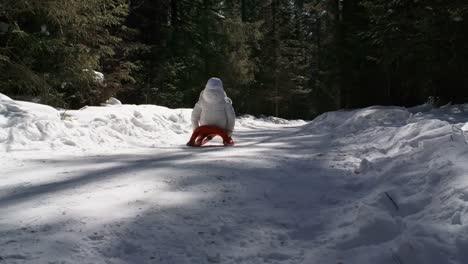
x=418, y=47
x=53, y=47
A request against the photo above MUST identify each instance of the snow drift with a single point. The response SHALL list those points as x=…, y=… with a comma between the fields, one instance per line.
x=30, y=126
x=410, y=176
x=27, y=126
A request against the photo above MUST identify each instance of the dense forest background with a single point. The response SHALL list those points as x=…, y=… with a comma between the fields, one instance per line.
x=289, y=58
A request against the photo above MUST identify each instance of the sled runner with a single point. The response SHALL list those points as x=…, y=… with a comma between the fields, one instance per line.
x=203, y=134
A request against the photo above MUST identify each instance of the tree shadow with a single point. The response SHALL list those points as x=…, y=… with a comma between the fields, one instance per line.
x=257, y=214
x=258, y=209
x=122, y=165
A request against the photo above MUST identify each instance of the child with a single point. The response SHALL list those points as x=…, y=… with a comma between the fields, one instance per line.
x=214, y=108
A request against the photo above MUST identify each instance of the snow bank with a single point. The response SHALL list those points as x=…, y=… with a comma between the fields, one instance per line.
x=394, y=129
x=4, y=97
x=410, y=179
x=31, y=126
x=351, y=121
x=250, y=122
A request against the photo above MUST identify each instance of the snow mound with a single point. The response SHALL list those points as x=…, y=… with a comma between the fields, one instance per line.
x=251, y=122
x=113, y=101
x=409, y=175
x=31, y=126
x=4, y=97
x=351, y=121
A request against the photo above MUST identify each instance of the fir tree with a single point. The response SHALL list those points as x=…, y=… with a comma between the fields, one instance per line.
x=53, y=47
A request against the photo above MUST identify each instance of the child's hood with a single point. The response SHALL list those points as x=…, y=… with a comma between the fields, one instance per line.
x=214, y=91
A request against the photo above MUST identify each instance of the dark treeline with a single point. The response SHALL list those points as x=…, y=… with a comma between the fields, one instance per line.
x=289, y=58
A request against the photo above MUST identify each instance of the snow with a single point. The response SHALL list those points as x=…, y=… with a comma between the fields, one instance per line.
x=116, y=184
x=113, y=101
x=98, y=76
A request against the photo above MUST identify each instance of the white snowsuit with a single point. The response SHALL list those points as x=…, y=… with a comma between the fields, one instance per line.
x=214, y=108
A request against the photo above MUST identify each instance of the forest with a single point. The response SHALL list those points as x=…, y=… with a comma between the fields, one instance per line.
x=286, y=58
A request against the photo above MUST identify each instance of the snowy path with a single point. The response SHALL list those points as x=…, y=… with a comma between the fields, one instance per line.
x=316, y=193
x=242, y=205
x=286, y=200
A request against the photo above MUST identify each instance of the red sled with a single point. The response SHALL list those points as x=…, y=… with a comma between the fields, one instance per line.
x=203, y=134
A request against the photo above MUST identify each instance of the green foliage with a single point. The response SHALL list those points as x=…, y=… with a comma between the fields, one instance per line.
x=54, y=44
x=393, y=52
x=192, y=41
x=419, y=47
x=292, y=59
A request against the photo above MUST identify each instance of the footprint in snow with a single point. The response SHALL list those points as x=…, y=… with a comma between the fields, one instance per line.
x=96, y=237
x=276, y=256
x=14, y=257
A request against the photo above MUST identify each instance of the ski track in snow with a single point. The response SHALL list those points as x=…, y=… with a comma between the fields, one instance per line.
x=377, y=185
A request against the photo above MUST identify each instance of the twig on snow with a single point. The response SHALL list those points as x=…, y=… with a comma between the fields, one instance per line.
x=397, y=259
x=391, y=199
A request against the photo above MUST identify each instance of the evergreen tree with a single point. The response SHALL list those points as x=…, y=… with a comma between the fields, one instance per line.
x=418, y=47
x=53, y=47
x=292, y=59
x=194, y=41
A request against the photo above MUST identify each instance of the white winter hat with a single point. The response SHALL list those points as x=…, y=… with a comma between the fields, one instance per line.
x=214, y=91
x=214, y=83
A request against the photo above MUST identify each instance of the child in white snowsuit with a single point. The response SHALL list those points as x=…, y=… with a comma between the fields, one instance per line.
x=214, y=108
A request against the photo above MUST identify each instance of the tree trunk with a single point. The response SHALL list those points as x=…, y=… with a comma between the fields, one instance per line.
x=339, y=47
x=274, y=6
x=243, y=11
x=174, y=14
x=205, y=39
x=318, y=49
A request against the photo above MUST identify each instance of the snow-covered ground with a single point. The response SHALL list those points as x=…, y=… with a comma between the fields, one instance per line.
x=116, y=184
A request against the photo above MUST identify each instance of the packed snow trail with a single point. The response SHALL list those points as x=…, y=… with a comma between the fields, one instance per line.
x=288, y=192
